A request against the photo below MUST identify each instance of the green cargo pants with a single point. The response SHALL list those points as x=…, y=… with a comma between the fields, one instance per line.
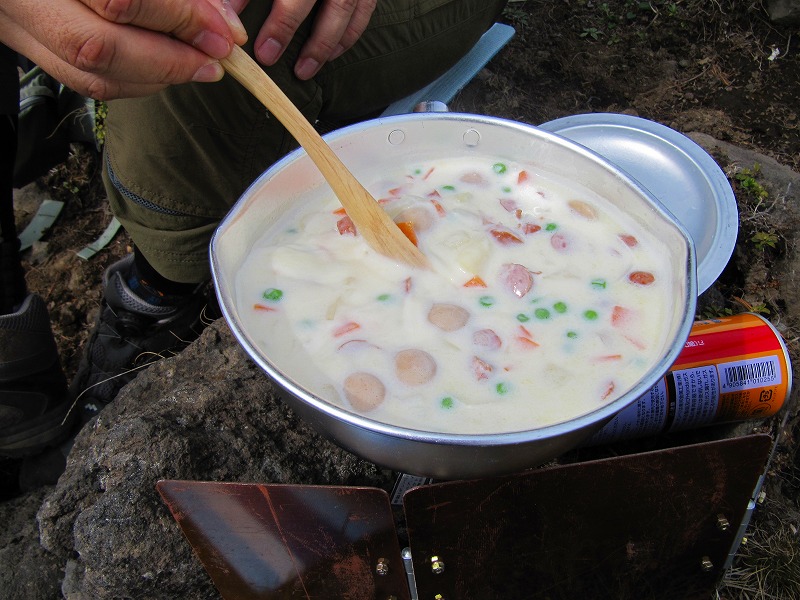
x=175, y=162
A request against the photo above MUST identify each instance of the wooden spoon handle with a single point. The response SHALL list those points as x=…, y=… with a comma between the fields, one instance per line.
x=372, y=222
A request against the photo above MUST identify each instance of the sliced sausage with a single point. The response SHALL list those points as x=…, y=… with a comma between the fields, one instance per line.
x=481, y=369
x=414, y=367
x=364, y=391
x=448, y=317
x=517, y=279
x=487, y=338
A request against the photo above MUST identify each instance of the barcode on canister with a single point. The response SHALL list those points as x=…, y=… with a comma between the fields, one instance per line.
x=749, y=374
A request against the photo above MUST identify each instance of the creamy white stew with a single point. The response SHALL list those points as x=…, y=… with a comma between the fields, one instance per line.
x=544, y=300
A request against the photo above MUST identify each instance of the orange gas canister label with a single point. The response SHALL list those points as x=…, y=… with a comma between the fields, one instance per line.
x=731, y=369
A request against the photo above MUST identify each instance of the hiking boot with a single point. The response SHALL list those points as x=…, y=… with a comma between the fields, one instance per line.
x=131, y=333
x=34, y=405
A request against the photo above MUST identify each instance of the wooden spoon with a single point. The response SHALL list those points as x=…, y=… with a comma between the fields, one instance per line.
x=372, y=222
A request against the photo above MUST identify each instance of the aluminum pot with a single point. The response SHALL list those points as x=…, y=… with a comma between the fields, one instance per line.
x=383, y=144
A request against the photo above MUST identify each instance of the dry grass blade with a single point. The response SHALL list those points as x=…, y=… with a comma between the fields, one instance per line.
x=767, y=566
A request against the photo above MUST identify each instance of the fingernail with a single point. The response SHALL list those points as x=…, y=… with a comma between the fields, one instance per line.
x=269, y=51
x=306, y=68
x=209, y=72
x=233, y=20
x=212, y=44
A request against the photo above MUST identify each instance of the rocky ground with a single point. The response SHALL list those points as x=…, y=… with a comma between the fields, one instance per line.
x=725, y=72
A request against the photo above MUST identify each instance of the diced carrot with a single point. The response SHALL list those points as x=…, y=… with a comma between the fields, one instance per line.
x=522, y=177
x=408, y=284
x=340, y=211
x=395, y=191
x=428, y=174
x=504, y=236
x=642, y=277
x=475, y=282
x=526, y=343
x=264, y=308
x=525, y=339
x=529, y=228
x=626, y=319
x=346, y=328
x=607, y=358
x=439, y=208
x=638, y=343
x=346, y=226
x=628, y=239
x=609, y=390
x=621, y=316
x=407, y=227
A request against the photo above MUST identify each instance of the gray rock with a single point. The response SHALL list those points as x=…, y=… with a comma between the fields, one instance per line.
x=27, y=570
x=207, y=414
x=784, y=12
x=781, y=206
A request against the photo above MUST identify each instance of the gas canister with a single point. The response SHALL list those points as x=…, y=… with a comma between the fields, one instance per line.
x=733, y=368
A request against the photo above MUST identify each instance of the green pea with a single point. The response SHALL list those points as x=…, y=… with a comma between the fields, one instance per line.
x=499, y=168
x=550, y=227
x=572, y=334
x=506, y=189
x=449, y=188
x=384, y=297
x=486, y=301
x=541, y=313
x=599, y=284
x=560, y=307
x=447, y=402
x=272, y=294
x=501, y=388
x=523, y=318
x=590, y=314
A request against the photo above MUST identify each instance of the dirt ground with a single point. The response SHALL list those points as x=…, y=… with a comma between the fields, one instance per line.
x=718, y=67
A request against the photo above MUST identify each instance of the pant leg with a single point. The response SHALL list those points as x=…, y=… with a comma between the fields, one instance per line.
x=12, y=276
x=178, y=160
x=406, y=46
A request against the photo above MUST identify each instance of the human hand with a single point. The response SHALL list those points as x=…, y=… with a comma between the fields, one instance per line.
x=337, y=26
x=126, y=48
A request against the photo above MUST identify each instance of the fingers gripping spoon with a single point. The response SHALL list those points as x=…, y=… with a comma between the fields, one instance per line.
x=372, y=222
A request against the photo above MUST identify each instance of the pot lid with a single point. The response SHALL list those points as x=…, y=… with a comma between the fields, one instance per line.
x=676, y=170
